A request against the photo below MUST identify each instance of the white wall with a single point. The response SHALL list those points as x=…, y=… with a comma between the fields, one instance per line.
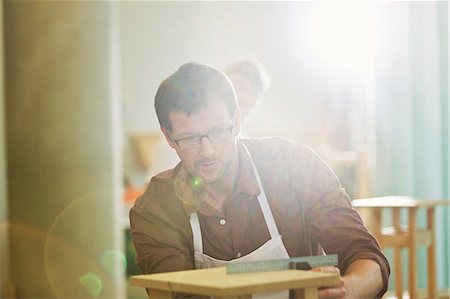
x=157, y=37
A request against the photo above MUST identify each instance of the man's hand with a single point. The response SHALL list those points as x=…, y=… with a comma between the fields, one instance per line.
x=362, y=280
x=333, y=292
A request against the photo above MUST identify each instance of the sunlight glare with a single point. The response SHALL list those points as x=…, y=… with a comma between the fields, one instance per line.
x=344, y=35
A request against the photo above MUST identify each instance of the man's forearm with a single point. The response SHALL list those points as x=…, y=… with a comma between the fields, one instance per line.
x=363, y=279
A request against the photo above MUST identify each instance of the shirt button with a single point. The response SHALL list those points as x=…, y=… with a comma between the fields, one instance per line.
x=222, y=221
x=238, y=254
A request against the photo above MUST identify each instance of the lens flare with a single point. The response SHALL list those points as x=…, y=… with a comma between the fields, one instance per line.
x=196, y=182
x=114, y=262
x=92, y=283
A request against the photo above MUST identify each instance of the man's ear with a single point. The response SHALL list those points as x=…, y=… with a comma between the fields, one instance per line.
x=168, y=139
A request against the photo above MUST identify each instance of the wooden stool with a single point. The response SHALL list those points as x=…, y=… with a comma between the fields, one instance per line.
x=410, y=237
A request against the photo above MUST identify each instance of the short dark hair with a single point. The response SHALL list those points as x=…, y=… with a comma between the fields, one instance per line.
x=190, y=88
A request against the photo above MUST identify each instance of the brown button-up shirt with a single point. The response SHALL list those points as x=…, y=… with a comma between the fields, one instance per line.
x=310, y=208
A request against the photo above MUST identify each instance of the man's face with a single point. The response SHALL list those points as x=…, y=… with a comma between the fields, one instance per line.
x=209, y=160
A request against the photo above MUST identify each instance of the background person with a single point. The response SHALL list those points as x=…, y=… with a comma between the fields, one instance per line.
x=250, y=82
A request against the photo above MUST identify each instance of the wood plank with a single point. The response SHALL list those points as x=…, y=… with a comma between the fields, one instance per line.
x=391, y=237
x=398, y=202
x=235, y=297
x=215, y=281
x=412, y=219
x=307, y=293
x=158, y=294
x=398, y=265
x=432, y=288
x=377, y=223
x=394, y=239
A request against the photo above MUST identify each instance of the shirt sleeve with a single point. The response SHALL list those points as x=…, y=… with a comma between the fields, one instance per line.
x=160, y=233
x=160, y=246
x=331, y=219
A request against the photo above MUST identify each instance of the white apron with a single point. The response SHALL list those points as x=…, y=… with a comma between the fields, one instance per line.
x=272, y=249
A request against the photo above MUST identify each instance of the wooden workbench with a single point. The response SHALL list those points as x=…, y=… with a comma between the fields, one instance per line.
x=215, y=282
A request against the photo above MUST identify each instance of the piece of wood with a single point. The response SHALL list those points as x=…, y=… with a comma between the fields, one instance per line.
x=215, y=281
x=432, y=289
x=397, y=202
x=412, y=250
x=235, y=297
x=398, y=255
x=306, y=293
x=377, y=223
x=390, y=236
x=157, y=294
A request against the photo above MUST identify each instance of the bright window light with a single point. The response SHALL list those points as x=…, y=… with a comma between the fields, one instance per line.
x=344, y=35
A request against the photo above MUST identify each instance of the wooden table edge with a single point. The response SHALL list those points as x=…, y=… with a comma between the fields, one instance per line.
x=328, y=280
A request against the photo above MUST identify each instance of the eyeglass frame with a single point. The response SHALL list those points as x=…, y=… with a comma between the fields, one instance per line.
x=201, y=136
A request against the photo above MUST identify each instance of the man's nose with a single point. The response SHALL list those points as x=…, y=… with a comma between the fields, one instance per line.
x=206, y=147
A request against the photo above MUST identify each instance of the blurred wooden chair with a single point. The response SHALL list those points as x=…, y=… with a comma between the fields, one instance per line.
x=410, y=237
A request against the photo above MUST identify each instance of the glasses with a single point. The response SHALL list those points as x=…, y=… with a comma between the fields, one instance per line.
x=216, y=136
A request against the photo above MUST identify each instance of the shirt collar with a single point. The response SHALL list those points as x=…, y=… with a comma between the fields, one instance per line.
x=191, y=195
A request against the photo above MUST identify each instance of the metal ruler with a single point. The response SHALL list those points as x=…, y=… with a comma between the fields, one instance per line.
x=303, y=263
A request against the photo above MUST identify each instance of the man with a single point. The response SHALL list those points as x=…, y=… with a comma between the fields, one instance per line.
x=250, y=82
x=252, y=199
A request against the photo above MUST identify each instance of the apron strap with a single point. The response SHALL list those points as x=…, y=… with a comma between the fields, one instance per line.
x=196, y=233
x=263, y=203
